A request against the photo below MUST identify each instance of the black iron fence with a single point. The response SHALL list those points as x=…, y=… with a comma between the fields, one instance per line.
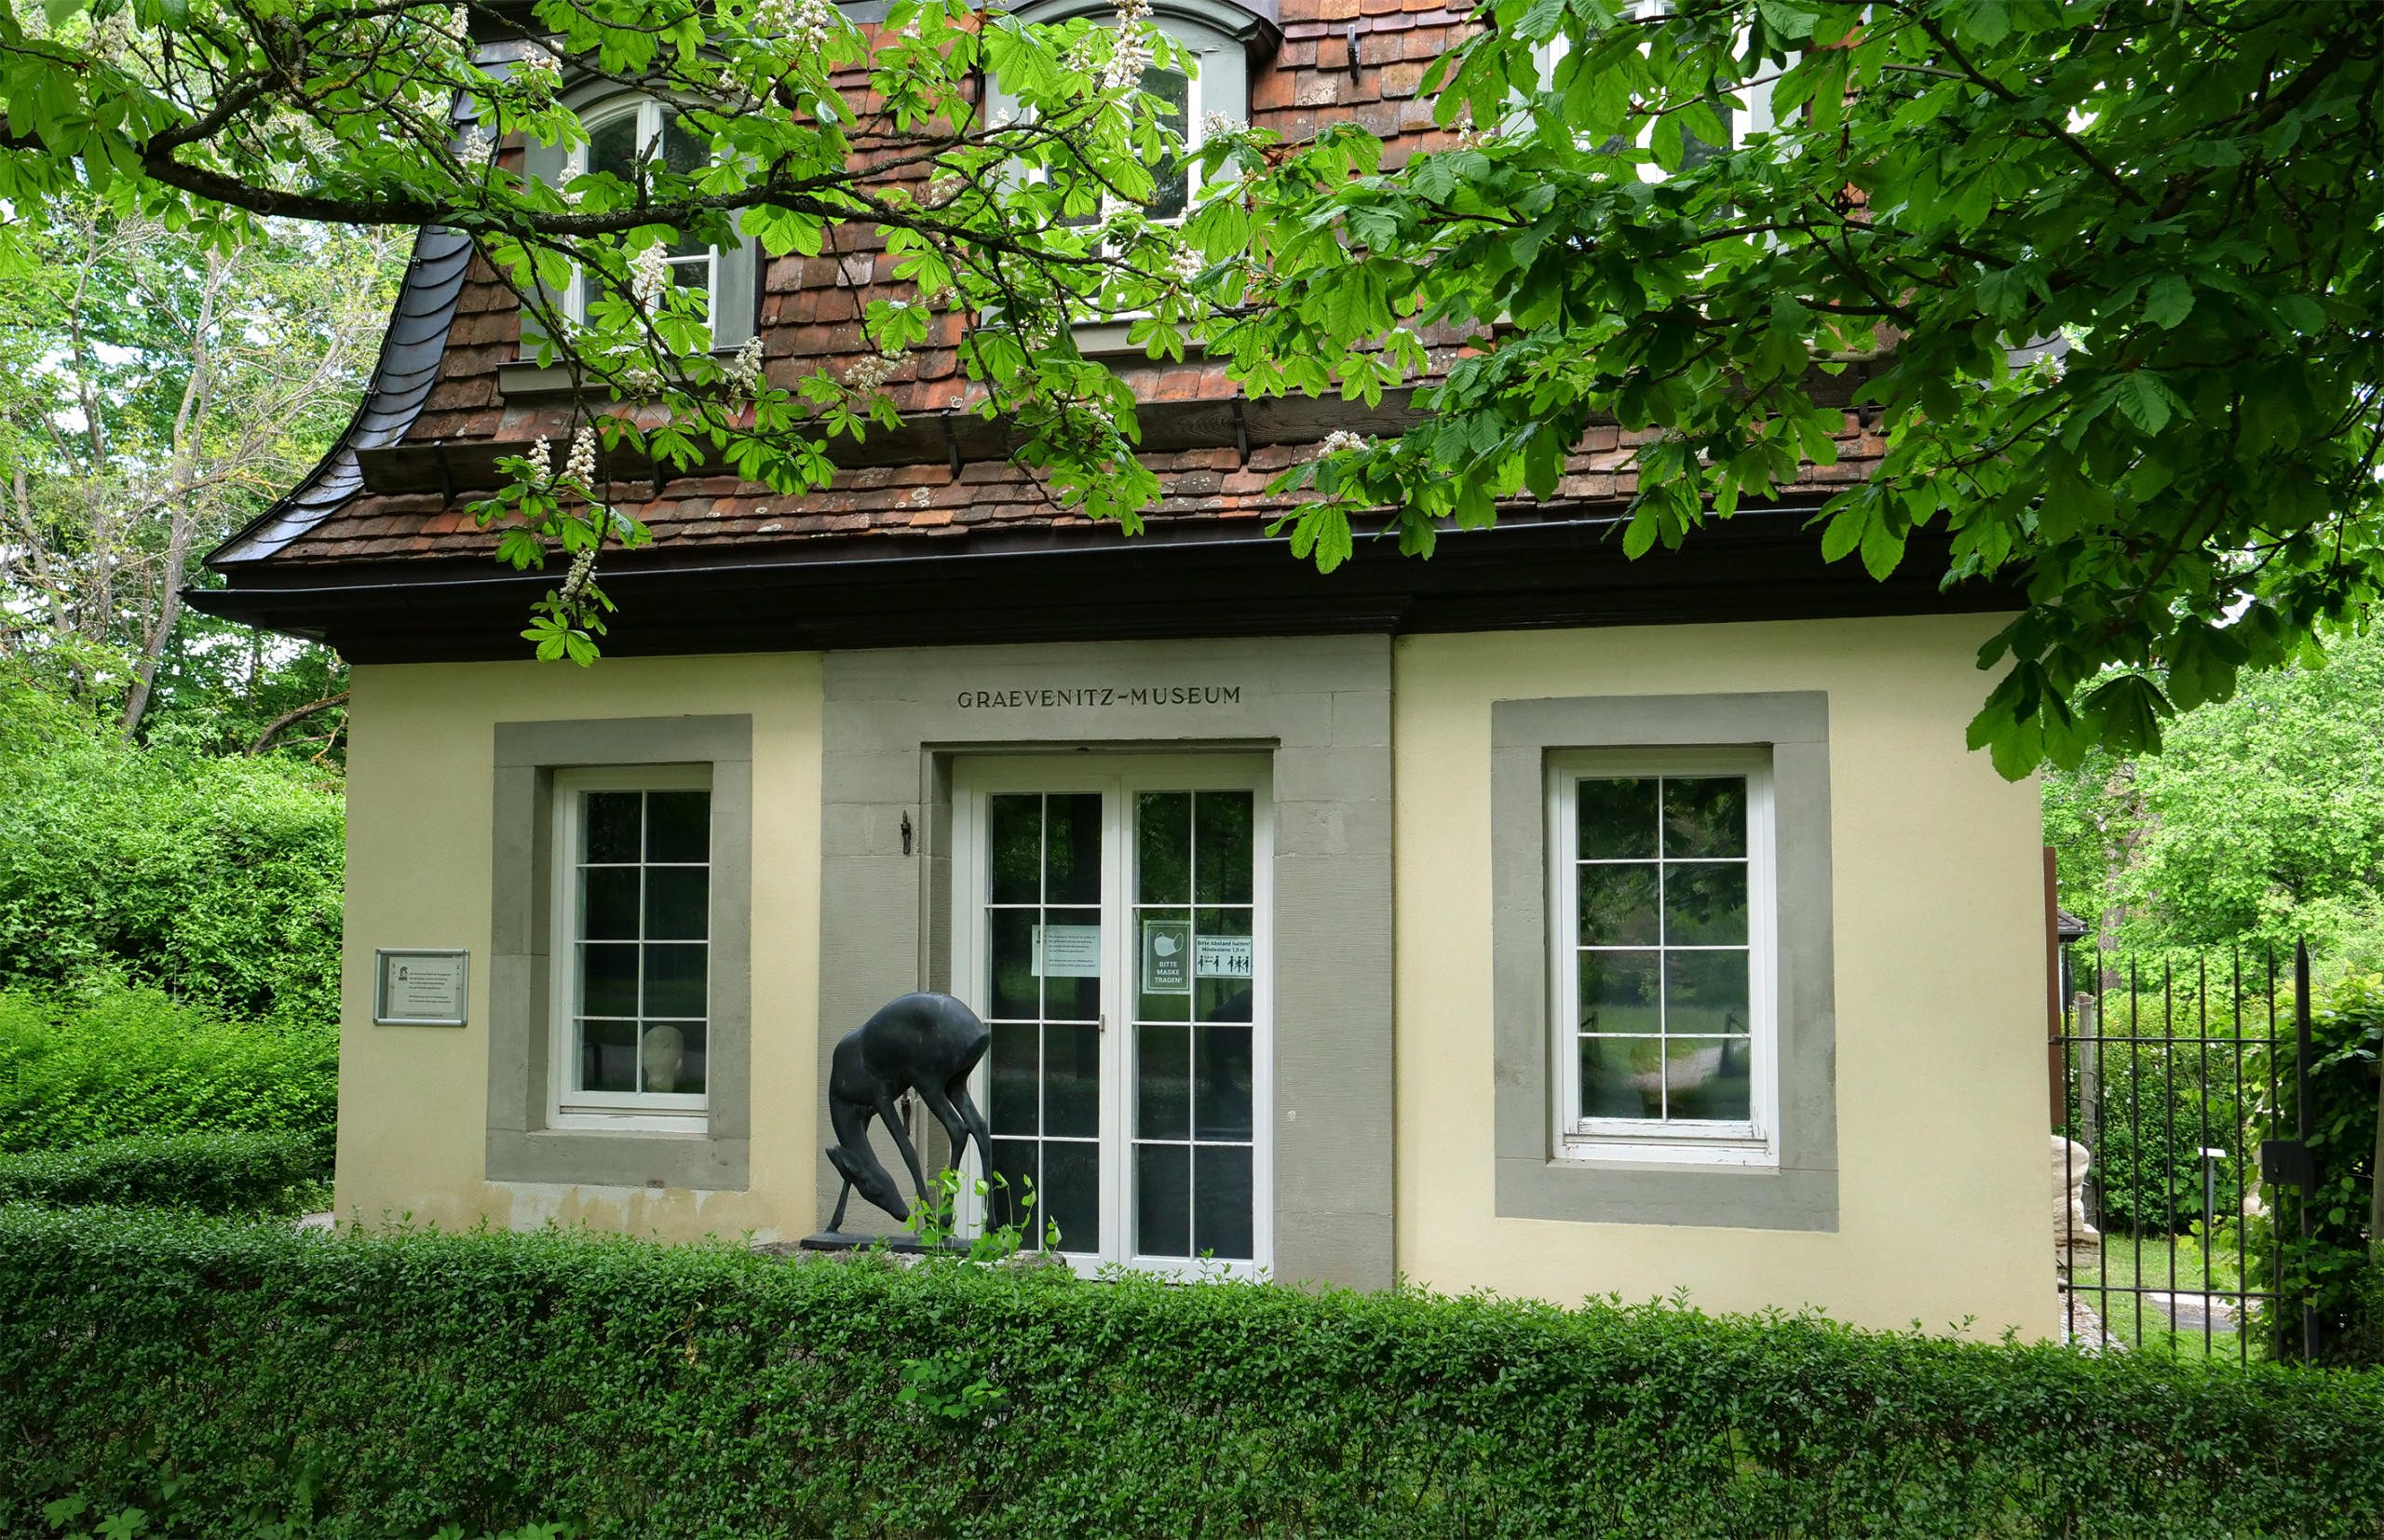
x=2183, y=1111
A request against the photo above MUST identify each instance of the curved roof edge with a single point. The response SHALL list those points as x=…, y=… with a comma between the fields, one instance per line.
x=410, y=350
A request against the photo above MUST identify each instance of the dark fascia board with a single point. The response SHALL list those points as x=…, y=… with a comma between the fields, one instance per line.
x=1212, y=581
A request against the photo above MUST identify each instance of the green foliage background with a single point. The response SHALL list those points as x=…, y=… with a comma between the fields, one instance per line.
x=2261, y=821
x=382, y=1384
x=217, y=879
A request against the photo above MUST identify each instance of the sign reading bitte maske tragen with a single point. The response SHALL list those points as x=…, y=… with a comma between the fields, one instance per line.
x=427, y=986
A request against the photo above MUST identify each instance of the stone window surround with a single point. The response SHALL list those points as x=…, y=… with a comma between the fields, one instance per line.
x=1533, y=1181
x=521, y=1145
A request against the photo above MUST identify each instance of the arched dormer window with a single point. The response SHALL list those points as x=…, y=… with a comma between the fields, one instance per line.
x=623, y=130
x=624, y=138
x=1226, y=38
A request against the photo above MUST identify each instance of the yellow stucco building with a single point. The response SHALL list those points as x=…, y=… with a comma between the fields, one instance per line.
x=1527, y=918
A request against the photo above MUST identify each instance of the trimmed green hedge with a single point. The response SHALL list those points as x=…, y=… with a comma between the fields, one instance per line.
x=74, y=1069
x=218, y=1173
x=382, y=1386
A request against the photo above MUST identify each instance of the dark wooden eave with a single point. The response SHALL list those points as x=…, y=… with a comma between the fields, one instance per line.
x=1083, y=584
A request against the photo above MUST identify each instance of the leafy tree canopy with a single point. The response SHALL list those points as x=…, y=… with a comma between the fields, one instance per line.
x=2261, y=821
x=2171, y=205
x=210, y=114
x=2176, y=200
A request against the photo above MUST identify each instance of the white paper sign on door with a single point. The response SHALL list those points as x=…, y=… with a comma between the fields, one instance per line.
x=1068, y=952
x=1222, y=957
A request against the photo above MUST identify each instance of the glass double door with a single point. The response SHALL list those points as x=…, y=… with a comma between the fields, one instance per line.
x=1111, y=927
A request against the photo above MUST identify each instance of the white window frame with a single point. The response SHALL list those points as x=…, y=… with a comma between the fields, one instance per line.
x=1643, y=1141
x=1193, y=131
x=1118, y=777
x=1753, y=118
x=648, y=111
x=568, y=1107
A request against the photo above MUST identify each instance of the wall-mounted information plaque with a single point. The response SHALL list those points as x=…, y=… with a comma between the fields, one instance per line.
x=420, y=987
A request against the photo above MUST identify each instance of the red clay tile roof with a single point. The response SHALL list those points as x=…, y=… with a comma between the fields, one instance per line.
x=809, y=317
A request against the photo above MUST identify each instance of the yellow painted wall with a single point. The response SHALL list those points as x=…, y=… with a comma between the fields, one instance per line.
x=413, y=1101
x=1941, y=982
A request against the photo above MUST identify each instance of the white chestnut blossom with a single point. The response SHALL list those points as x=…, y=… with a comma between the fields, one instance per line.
x=745, y=369
x=1338, y=441
x=649, y=276
x=1188, y=264
x=478, y=145
x=581, y=467
x=539, y=69
x=804, y=24
x=870, y=374
x=583, y=567
x=542, y=464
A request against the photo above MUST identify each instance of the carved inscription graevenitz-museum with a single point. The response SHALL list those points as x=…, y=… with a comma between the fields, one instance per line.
x=1101, y=695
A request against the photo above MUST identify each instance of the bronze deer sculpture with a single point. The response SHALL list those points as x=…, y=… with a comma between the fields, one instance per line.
x=923, y=1043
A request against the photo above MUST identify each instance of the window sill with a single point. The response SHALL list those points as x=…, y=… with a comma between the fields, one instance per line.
x=526, y=378
x=663, y=1125
x=1576, y=1151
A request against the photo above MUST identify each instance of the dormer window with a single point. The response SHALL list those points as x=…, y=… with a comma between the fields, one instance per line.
x=1221, y=37
x=629, y=135
x=633, y=140
x=1750, y=117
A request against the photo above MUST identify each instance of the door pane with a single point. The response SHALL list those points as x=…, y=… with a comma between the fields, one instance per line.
x=1163, y=1083
x=1071, y=965
x=1072, y=1081
x=1016, y=856
x=1016, y=993
x=1222, y=1084
x=1071, y=1191
x=1163, y=846
x=1072, y=849
x=1221, y=1226
x=1221, y=868
x=1163, y=1201
x=1017, y=1070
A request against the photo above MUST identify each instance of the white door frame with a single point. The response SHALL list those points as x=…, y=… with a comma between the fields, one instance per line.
x=1117, y=777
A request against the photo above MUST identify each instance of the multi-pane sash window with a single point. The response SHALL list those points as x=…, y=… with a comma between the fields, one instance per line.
x=650, y=135
x=1663, y=965
x=635, y=912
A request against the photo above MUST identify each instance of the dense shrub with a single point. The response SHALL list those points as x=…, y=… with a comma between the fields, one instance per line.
x=2347, y=1040
x=129, y=1062
x=235, y=1173
x=2158, y=1114
x=217, y=879
x=380, y=1385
